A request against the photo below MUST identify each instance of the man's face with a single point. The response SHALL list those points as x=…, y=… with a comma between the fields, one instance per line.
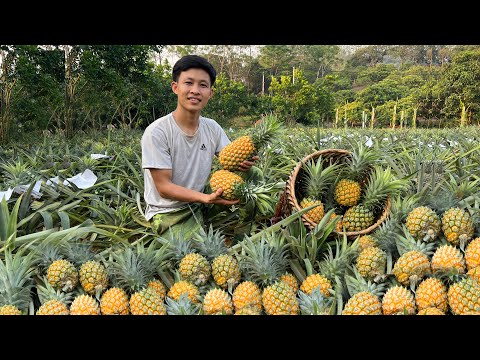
x=193, y=89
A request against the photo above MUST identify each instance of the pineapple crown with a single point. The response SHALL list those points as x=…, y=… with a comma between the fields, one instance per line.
x=16, y=271
x=263, y=261
x=406, y=242
x=211, y=243
x=355, y=283
x=47, y=292
x=178, y=246
x=381, y=185
x=361, y=160
x=335, y=263
x=259, y=196
x=318, y=178
x=77, y=252
x=46, y=253
x=386, y=235
x=182, y=306
x=265, y=130
x=315, y=303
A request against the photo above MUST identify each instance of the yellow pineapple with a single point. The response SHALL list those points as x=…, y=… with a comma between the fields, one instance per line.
x=147, y=302
x=348, y=189
x=158, y=286
x=114, y=301
x=247, y=310
x=226, y=271
x=245, y=147
x=228, y=181
x=448, y=259
x=247, y=294
x=431, y=292
x=457, y=226
x=53, y=307
x=474, y=273
x=291, y=280
x=53, y=302
x=217, y=302
x=365, y=296
x=316, y=280
x=430, y=311
x=10, y=310
x=371, y=263
x=195, y=268
x=366, y=241
x=93, y=277
x=280, y=299
x=84, y=304
x=398, y=300
x=62, y=275
x=184, y=287
x=464, y=296
x=423, y=223
x=472, y=254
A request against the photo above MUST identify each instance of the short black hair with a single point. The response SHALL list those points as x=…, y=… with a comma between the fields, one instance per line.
x=193, y=62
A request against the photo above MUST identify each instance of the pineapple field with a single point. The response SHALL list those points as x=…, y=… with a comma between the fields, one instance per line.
x=330, y=221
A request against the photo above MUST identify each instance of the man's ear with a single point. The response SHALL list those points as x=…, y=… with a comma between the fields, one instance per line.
x=174, y=86
x=211, y=93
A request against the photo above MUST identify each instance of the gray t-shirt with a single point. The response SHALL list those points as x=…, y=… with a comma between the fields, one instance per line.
x=166, y=146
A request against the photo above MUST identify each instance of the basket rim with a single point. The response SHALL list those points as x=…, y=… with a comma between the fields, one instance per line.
x=306, y=220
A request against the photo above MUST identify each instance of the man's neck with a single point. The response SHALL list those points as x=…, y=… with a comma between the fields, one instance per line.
x=186, y=120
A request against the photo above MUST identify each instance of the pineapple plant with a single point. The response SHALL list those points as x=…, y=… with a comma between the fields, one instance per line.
x=398, y=300
x=448, y=260
x=182, y=306
x=16, y=283
x=431, y=293
x=114, y=301
x=364, y=295
x=84, y=304
x=217, y=302
x=414, y=263
x=245, y=147
x=247, y=294
x=317, y=179
x=348, y=188
x=380, y=187
x=472, y=254
x=423, y=223
x=457, y=226
x=315, y=303
x=464, y=296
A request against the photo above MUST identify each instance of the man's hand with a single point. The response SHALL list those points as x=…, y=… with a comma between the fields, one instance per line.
x=216, y=198
x=247, y=164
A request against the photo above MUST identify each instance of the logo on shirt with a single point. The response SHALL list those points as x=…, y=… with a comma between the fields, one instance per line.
x=203, y=147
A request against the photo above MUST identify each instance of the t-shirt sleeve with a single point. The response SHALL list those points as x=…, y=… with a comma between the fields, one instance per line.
x=155, y=150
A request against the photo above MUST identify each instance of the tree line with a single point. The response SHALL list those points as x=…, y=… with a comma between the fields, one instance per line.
x=67, y=88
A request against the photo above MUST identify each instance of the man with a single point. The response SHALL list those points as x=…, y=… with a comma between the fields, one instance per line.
x=178, y=150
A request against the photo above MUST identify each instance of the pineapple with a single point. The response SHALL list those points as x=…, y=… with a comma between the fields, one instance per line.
x=348, y=189
x=431, y=292
x=147, y=302
x=182, y=306
x=217, y=302
x=93, y=277
x=318, y=178
x=371, y=263
x=245, y=147
x=430, y=311
x=474, y=273
x=53, y=302
x=398, y=300
x=380, y=187
x=464, y=296
x=457, y=226
x=291, y=280
x=315, y=303
x=195, y=268
x=472, y=254
x=366, y=241
x=279, y=299
x=84, y=304
x=62, y=275
x=423, y=223
x=364, y=295
x=247, y=310
x=228, y=181
x=247, y=294
x=16, y=271
x=226, y=271
x=316, y=281
x=448, y=259
x=158, y=286
x=114, y=301
x=184, y=287
x=413, y=264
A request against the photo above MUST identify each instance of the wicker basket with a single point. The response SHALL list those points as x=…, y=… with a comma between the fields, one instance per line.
x=288, y=200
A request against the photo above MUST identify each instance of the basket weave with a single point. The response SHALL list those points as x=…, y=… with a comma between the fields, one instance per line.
x=288, y=200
